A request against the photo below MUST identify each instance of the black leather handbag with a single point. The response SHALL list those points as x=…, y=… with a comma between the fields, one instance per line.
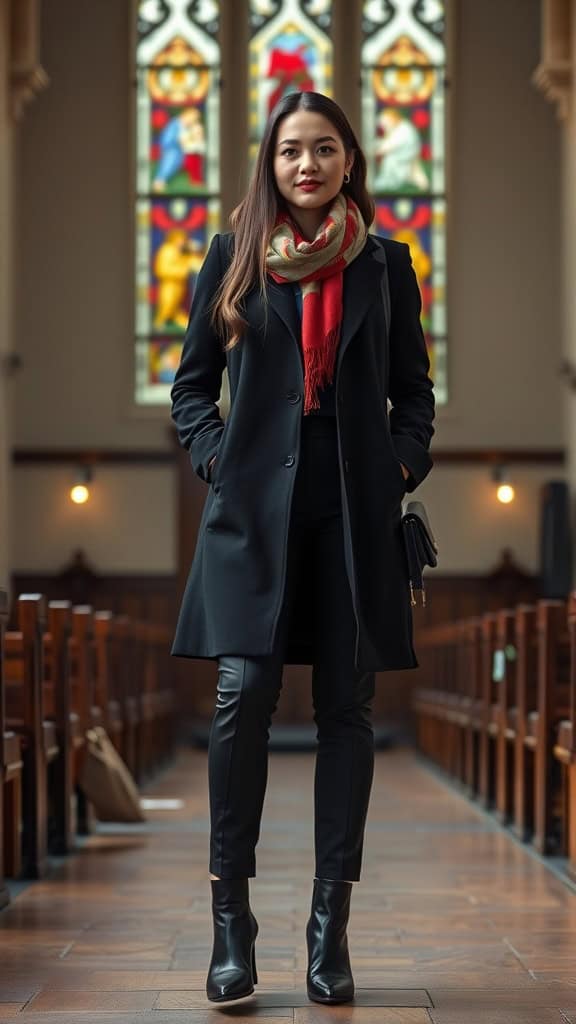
x=421, y=547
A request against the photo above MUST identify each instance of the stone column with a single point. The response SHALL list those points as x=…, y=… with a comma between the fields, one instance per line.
x=21, y=77
x=6, y=341
x=555, y=76
x=568, y=243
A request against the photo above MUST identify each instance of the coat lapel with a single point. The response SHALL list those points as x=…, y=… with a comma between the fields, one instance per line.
x=283, y=301
x=361, y=287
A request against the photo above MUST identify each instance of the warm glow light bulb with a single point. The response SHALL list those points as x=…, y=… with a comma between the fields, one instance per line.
x=505, y=493
x=79, y=494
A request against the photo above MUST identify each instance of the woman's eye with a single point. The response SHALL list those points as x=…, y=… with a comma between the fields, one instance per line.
x=290, y=150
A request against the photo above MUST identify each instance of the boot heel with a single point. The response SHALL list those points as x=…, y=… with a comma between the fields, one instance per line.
x=254, y=972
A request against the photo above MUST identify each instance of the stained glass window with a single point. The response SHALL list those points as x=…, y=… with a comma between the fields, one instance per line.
x=290, y=50
x=178, y=178
x=403, y=112
x=403, y=59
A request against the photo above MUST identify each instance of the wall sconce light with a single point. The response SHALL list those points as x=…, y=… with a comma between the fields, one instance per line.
x=80, y=491
x=504, y=489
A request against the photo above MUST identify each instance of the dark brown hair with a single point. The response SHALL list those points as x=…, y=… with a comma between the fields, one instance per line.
x=254, y=218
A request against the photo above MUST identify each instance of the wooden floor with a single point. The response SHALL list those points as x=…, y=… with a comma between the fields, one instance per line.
x=452, y=922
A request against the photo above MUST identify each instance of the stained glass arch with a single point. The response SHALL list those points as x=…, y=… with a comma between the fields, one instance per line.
x=401, y=106
x=403, y=131
x=290, y=50
x=178, y=177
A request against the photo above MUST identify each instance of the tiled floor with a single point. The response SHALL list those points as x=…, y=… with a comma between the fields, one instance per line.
x=452, y=923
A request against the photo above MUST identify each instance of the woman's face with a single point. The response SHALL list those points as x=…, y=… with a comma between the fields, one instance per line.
x=309, y=161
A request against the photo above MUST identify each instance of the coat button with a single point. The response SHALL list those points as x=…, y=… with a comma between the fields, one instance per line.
x=289, y=461
x=347, y=465
x=293, y=397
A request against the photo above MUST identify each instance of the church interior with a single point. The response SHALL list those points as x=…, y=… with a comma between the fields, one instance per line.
x=128, y=133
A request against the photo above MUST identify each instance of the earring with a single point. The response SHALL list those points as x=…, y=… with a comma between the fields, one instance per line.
x=347, y=177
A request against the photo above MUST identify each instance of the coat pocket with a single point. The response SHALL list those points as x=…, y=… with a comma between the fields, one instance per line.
x=214, y=473
x=402, y=480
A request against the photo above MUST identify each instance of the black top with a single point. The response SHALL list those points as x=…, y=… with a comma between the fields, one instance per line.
x=327, y=395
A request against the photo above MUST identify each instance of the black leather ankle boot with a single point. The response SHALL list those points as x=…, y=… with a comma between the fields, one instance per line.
x=232, y=971
x=329, y=977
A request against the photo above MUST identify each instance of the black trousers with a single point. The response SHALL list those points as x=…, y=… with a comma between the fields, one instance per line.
x=249, y=688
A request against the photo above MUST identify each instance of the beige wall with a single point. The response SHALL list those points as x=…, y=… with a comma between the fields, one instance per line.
x=74, y=308
x=75, y=283
x=126, y=527
x=504, y=260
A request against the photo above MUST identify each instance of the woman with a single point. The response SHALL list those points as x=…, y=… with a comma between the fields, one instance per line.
x=299, y=557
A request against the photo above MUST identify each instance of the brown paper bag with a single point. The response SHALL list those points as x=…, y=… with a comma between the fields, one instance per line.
x=106, y=780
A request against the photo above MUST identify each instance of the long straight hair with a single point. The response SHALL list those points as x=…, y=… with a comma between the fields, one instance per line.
x=253, y=220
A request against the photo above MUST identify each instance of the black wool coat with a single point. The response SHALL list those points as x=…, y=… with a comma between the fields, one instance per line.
x=235, y=589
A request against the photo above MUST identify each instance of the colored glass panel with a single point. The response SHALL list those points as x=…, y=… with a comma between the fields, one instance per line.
x=177, y=176
x=290, y=51
x=421, y=223
x=403, y=121
x=172, y=240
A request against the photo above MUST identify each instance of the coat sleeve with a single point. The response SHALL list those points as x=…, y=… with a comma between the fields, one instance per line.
x=410, y=387
x=198, y=381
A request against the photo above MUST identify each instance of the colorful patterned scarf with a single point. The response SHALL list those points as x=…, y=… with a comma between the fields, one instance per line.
x=319, y=267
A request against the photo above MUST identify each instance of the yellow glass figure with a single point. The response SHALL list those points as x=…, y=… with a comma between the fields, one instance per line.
x=175, y=260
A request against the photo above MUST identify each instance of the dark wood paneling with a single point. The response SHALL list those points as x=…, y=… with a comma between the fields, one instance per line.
x=156, y=598
x=149, y=597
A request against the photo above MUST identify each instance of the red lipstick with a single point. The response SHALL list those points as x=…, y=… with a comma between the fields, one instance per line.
x=309, y=186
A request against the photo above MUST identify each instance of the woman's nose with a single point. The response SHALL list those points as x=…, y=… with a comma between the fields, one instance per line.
x=308, y=163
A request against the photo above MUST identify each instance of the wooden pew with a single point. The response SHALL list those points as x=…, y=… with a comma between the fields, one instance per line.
x=496, y=711
x=125, y=674
x=526, y=636
x=456, y=706
x=58, y=694
x=487, y=773
x=462, y=711
x=4, y=895
x=167, y=697
x=440, y=701
x=523, y=706
x=427, y=695
x=82, y=652
x=505, y=679
x=450, y=706
x=553, y=706
x=117, y=682
x=107, y=696
x=156, y=697
x=24, y=667
x=10, y=778
x=65, y=669
x=565, y=748
x=472, y=644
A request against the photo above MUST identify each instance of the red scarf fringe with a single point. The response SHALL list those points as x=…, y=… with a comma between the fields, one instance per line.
x=321, y=309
